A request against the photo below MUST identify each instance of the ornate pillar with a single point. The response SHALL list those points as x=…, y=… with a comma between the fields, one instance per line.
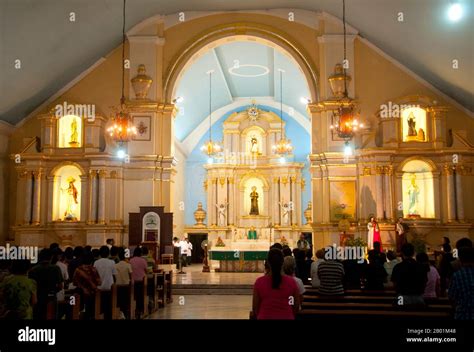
x=450, y=193
x=438, y=114
x=379, y=191
x=28, y=191
x=213, y=209
x=275, y=206
x=293, y=199
x=230, y=185
x=92, y=208
x=35, y=218
x=388, y=192
x=459, y=194
x=84, y=190
x=101, y=210
x=51, y=201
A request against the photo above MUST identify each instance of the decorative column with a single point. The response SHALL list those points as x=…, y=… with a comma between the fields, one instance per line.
x=388, y=172
x=230, y=185
x=212, y=200
x=35, y=219
x=28, y=191
x=379, y=191
x=84, y=196
x=51, y=201
x=275, y=206
x=101, y=210
x=92, y=213
x=438, y=114
x=293, y=199
x=450, y=193
x=459, y=194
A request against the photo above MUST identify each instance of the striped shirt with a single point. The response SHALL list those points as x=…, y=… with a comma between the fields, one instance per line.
x=331, y=276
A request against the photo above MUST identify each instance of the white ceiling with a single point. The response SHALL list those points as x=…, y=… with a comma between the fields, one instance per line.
x=54, y=50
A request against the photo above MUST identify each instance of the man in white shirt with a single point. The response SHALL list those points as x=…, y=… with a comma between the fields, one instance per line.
x=107, y=272
x=314, y=268
x=190, y=250
x=183, y=246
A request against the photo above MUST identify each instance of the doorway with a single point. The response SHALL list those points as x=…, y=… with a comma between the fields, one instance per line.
x=197, y=255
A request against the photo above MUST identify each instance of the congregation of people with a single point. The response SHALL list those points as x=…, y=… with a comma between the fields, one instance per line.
x=413, y=277
x=26, y=289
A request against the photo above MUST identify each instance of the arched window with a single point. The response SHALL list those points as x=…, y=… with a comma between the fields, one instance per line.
x=70, y=132
x=67, y=194
x=418, y=190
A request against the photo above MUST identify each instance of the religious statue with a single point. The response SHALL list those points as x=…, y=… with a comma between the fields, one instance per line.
x=74, y=134
x=285, y=215
x=254, y=145
x=421, y=134
x=221, y=208
x=71, y=200
x=413, y=192
x=411, y=125
x=252, y=235
x=254, y=202
x=374, y=234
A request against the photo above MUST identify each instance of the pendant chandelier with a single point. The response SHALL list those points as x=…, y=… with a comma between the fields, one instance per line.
x=283, y=146
x=122, y=129
x=210, y=148
x=345, y=118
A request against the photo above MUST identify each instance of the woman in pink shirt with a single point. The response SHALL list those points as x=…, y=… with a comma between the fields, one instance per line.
x=139, y=270
x=275, y=296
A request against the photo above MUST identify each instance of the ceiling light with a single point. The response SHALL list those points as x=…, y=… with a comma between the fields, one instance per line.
x=121, y=154
x=455, y=12
x=305, y=100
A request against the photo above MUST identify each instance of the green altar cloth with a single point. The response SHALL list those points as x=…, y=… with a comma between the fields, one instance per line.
x=238, y=255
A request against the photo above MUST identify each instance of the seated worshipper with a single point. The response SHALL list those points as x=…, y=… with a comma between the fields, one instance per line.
x=389, y=265
x=314, y=268
x=289, y=266
x=354, y=272
x=49, y=281
x=18, y=292
x=275, y=296
x=461, y=289
x=409, y=279
x=432, y=283
x=331, y=277
x=375, y=274
x=106, y=269
x=124, y=275
x=139, y=272
x=87, y=281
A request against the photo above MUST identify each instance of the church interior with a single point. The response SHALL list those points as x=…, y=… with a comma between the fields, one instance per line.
x=222, y=140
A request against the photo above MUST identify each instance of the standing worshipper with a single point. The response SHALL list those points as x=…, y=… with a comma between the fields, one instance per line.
x=373, y=234
x=190, y=250
x=107, y=272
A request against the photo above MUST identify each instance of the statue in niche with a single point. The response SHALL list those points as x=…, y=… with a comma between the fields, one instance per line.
x=421, y=134
x=254, y=202
x=412, y=125
x=254, y=145
x=413, y=192
x=74, y=134
x=221, y=209
x=285, y=213
x=71, y=199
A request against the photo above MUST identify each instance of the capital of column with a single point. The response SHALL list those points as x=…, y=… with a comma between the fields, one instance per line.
x=448, y=169
x=379, y=170
x=102, y=173
x=37, y=174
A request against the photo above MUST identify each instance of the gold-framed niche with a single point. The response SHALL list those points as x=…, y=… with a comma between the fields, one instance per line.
x=67, y=193
x=418, y=190
x=70, y=132
x=414, y=126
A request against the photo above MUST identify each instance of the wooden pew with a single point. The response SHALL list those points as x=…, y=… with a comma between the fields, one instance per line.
x=367, y=299
x=169, y=284
x=316, y=314
x=97, y=306
x=143, y=296
x=161, y=288
x=129, y=292
x=371, y=306
x=153, y=293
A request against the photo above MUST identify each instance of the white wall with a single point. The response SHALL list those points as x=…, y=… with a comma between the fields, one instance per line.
x=178, y=207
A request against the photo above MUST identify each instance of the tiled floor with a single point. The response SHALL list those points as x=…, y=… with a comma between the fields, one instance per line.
x=206, y=307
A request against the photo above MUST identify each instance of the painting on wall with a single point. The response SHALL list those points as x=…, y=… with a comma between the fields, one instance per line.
x=342, y=200
x=143, y=126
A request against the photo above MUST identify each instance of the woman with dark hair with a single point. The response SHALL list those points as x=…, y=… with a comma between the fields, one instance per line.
x=139, y=271
x=275, y=296
x=433, y=278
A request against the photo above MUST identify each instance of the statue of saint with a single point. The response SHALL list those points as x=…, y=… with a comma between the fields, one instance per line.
x=421, y=134
x=221, y=208
x=413, y=192
x=74, y=134
x=71, y=200
x=254, y=201
x=285, y=213
x=412, y=125
x=254, y=145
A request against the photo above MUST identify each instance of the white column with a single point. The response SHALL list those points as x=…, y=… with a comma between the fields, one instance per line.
x=293, y=199
x=459, y=196
x=230, y=185
x=388, y=193
x=212, y=201
x=35, y=220
x=101, y=211
x=299, y=204
x=379, y=191
x=450, y=194
x=28, y=190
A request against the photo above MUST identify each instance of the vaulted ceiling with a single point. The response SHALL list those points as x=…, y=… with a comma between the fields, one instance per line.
x=54, y=50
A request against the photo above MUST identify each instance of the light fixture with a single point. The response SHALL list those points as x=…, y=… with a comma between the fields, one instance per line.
x=122, y=129
x=305, y=100
x=178, y=100
x=210, y=148
x=283, y=146
x=121, y=153
x=347, y=150
x=345, y=116
x=455, y=11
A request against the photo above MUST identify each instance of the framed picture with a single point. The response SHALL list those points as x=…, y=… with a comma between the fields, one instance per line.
x=143, y=126
x=342, y=195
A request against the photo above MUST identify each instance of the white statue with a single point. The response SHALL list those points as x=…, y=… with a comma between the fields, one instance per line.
x=222, y=208
x=285, y=213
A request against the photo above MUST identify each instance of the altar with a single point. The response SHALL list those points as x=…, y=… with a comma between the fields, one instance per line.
x=239, y=261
